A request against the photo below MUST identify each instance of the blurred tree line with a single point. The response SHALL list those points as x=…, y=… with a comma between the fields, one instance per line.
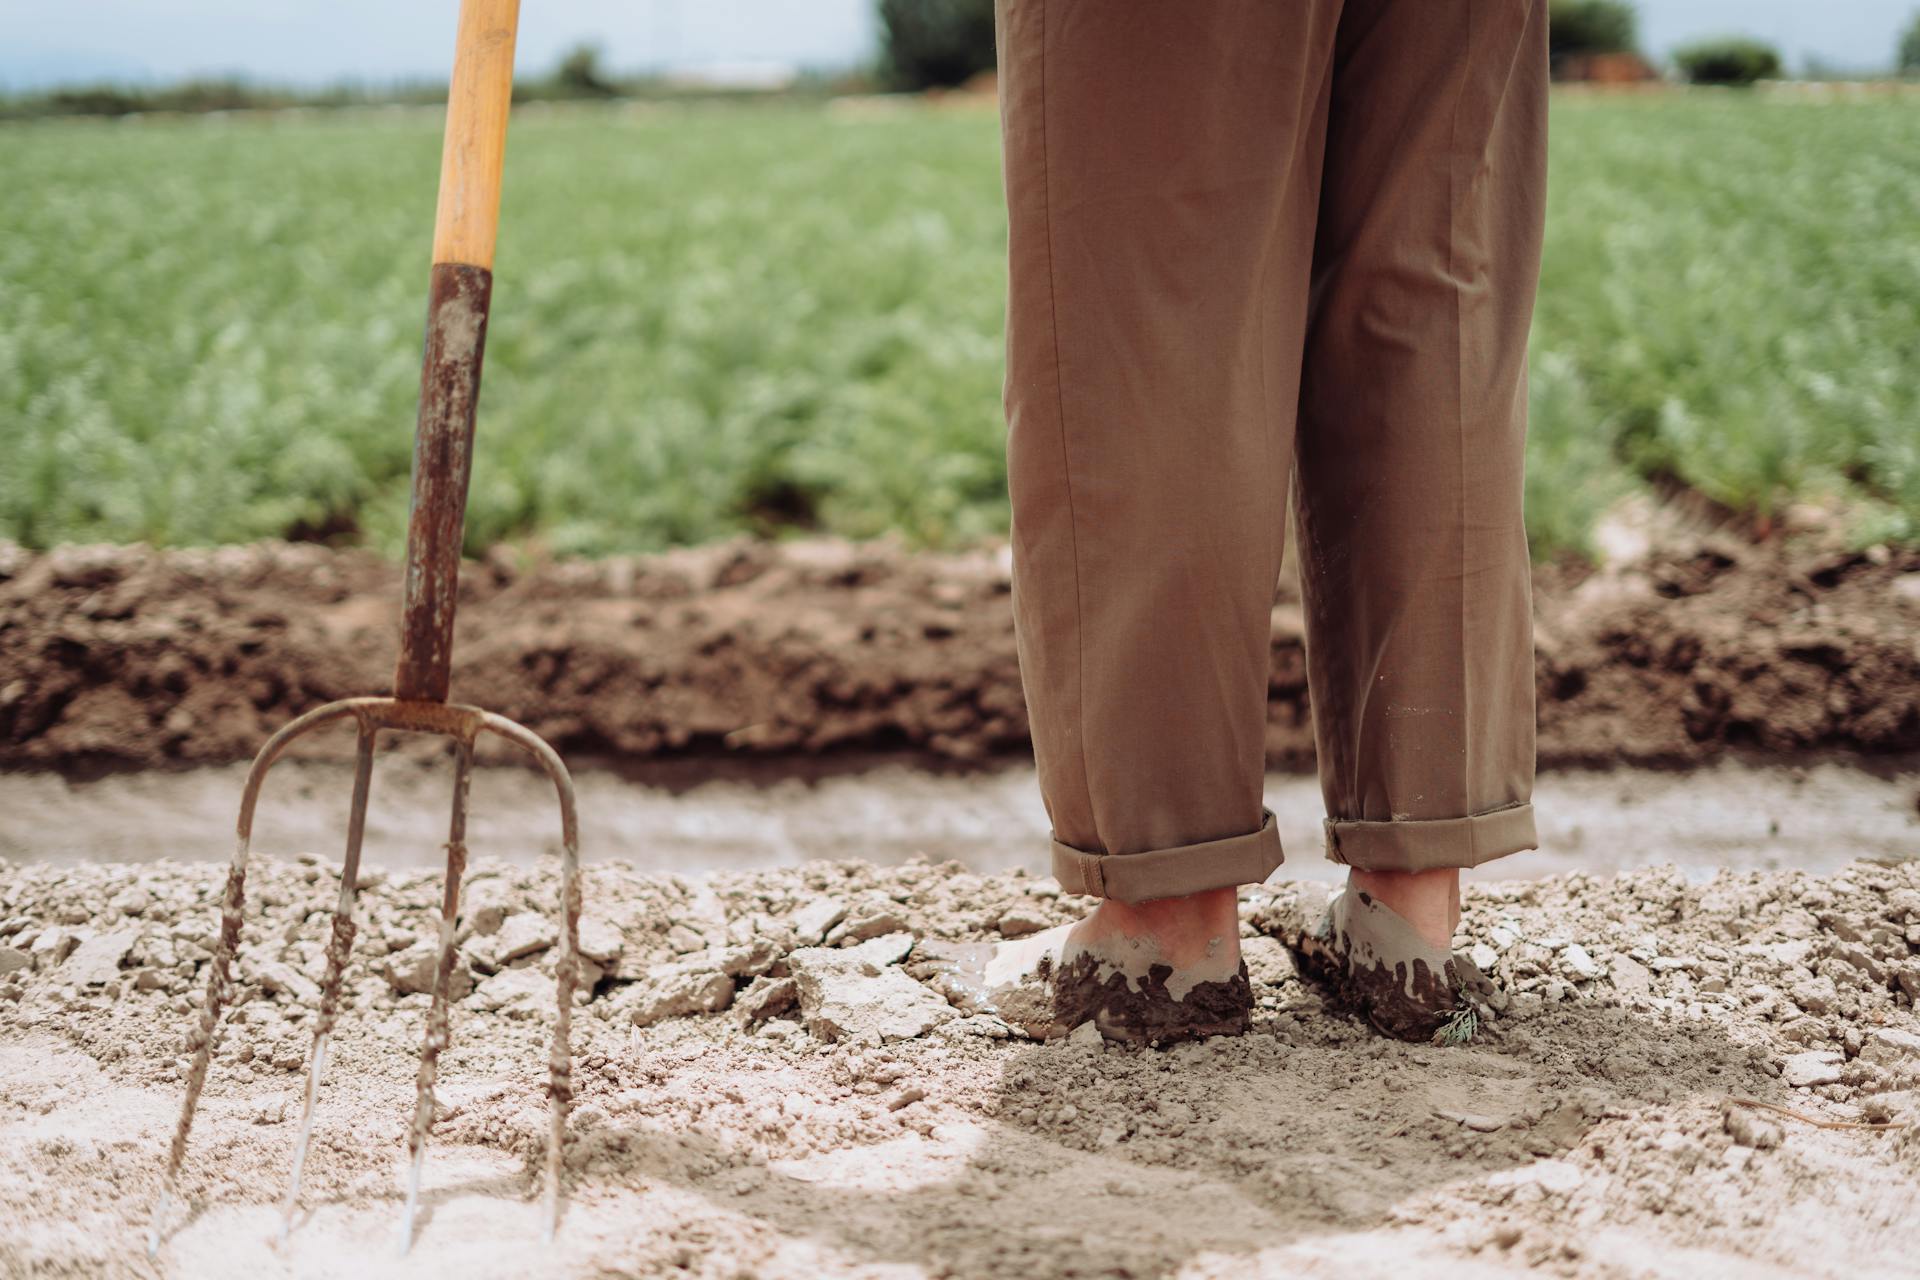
x=933, y=44
x=1580, y=29
x=925, y=44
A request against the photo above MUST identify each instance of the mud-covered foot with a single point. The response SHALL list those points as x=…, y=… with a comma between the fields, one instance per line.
x=1379, y=965
x=1146, y=973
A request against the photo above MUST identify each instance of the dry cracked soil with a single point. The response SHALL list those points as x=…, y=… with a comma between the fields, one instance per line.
x=766, y=1089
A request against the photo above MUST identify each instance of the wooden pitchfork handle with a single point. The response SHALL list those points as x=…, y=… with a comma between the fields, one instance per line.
x=464, y=227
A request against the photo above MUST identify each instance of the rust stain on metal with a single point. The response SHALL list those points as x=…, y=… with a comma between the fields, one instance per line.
x=438, y=1035
x=200, y=1038
x=442, y=462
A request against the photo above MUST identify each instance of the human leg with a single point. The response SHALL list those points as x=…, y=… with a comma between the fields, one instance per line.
x=1412, y=433
x=1410, y=452
x=1162, y=176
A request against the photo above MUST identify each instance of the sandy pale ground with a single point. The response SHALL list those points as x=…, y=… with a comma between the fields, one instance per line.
x=766, y=1090
x=1814, y=815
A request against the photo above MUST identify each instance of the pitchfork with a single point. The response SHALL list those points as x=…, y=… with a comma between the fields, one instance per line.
x=462, y=282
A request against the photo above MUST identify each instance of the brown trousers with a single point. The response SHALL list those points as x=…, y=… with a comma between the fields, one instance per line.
x=1255, y=243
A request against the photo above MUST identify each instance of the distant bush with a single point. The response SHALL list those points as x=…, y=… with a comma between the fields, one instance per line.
x=1734, y=60
x=188, y=96
x=1909, y=64
x=194, y=96
x=1576, y=27
x=579, y=74
x=931, y=44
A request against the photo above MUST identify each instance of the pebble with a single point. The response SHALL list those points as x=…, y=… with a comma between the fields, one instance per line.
x=484, y=905
x=1748, y=1128
x=600, y=941
x=12, y=959
x=858, y=993
x=675, y=994
x=1268, y=961
x=1816, y=995
x=869, y=924
x=1890, y=1046
x=1578, y=964
x=766, y=997
x=412, y=971
x=1860, y=958
x=52, y=946
x=517, y=993
x=1087, y=1036
x=1631, y=979
x=1815, y=1067
x=279, y=978
x=519, y=935
x=1021, y=921
x=813, y=918
x=1558, y=1177
x=134, y=902
x=684, y=940
x=96, y=961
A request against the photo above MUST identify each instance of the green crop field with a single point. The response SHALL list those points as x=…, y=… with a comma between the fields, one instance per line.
x=723, y=318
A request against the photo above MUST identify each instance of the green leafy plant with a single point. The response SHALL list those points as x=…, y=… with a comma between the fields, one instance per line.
x=211, y=332
x=1460, y=1028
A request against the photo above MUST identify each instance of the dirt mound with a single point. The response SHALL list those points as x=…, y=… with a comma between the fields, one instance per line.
x=125, y=656
x=729, y=1123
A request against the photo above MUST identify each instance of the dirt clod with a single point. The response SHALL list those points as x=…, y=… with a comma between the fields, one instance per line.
x=149, y=657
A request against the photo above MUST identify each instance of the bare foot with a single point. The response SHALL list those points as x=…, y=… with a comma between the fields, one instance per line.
x=1157, y=971
x=1427, y=900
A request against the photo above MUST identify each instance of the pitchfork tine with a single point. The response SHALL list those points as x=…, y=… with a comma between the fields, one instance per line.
x=438, y=1035
x=200, y=1039
x=339, y=948
x=560, y=1057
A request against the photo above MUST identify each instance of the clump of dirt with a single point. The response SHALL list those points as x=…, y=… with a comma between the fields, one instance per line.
x=126, y=656
x=765, y=1088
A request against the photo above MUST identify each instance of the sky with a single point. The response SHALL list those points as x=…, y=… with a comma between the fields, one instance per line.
x=313, y=42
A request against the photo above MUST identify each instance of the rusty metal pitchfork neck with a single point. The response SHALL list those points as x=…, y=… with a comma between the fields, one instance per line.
x=457, y=308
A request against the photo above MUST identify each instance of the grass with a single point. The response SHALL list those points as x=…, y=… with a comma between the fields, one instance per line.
x=727, y=319
x=1731, y=300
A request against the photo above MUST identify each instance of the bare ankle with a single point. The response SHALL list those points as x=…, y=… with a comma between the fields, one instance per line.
x=1192, y=929
x=1427, y=900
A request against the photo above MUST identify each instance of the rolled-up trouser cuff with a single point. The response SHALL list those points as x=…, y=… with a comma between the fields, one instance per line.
x=1171, y=873
x=1432, y=843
